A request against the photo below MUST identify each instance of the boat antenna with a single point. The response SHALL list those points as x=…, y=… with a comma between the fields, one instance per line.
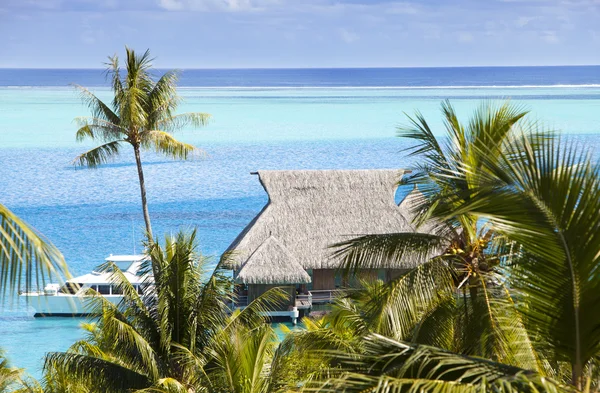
x=133, y=235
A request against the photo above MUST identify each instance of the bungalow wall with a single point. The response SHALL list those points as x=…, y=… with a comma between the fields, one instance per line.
x=327, y=279
x=255, y=290
x=323, y=279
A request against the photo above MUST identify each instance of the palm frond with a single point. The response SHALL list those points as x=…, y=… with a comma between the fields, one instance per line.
x=95, y=128
x=24, y=253
x=393, y=250
x=177, y=122
x=397, y=308
x=104, y=375
x=98, y=108
x=255, y=313
x=164, y=143
x=98, y=155
x=393, y=366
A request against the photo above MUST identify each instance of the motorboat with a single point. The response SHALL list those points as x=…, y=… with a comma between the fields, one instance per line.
x=71, y=298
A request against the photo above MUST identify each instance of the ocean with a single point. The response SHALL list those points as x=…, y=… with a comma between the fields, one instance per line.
x=261, y=119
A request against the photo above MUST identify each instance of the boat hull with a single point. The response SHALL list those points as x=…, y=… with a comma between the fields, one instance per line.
x=64, y=305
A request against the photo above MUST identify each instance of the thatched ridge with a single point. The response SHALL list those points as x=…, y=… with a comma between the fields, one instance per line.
x=310, y=210
x=272, y=263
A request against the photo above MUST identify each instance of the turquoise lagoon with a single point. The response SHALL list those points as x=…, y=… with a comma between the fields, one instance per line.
x=89, y=214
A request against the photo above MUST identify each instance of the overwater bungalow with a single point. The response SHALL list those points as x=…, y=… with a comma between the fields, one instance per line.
x=288, y=244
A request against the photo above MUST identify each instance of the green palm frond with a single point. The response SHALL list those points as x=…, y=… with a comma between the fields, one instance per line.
x=239, y=359
x=103, y=375
x=177, y=122
x=26, y=258
x=97, y=129
x=255, y=313
x=393, y=250
x=10, y=377
x=396, y=309
x=98, y=108
x=163, y=142
x=163, y=99
x=166, y=385
x=98, y=155
x=502, y=333
x=393, y=366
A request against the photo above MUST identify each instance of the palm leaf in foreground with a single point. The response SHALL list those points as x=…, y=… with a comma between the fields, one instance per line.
x=393, y=366
x=25, y=256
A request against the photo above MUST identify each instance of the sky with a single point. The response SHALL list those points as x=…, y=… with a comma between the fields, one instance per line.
x=300, y=33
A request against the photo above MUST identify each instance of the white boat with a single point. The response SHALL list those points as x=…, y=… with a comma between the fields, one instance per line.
x=69, y=299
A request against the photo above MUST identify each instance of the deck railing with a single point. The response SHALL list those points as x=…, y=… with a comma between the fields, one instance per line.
x=304, y=301
x=324, y=295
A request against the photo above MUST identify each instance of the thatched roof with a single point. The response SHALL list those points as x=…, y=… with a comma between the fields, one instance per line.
x=272, y=263
x=309, y=210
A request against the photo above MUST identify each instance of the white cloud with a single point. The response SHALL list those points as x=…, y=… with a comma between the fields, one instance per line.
x=171, y=5
x=402, y=8
x=550, y=37
x=347, y=36
x=523, y=21
x=216, y=5
x=465, y=36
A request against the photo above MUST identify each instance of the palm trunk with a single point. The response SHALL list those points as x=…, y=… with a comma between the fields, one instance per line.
x=138, y=161
x=576, y=375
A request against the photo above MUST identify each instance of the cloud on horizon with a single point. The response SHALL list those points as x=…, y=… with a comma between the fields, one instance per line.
x=283, y=33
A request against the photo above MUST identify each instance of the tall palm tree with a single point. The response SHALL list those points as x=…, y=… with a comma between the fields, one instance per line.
x=460, y=254
x=141, y=114
x=173, y=338
x=548, y=201
x=541, y=195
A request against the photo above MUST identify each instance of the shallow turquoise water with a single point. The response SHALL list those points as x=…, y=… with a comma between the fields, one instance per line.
x=89, y=214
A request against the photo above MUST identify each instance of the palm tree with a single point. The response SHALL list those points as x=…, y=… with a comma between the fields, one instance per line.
x=141, y=114
x=540, y=196
x=545, y=195
x=460, y=254
x=173, y=338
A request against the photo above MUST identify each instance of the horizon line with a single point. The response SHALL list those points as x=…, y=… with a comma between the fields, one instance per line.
x=311, y=68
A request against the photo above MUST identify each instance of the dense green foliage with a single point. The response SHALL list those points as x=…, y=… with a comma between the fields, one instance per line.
x=181, y=335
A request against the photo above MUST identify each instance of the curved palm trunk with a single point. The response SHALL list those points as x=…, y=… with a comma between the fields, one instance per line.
x=138, y=161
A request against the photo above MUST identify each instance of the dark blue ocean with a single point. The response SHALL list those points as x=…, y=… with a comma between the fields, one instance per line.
x=330, y=77
x=261, y=119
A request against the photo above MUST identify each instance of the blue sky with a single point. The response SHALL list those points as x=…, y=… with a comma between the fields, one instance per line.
x=301, y=33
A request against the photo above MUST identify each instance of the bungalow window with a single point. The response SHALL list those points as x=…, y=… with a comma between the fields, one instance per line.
x=116, y=290
x=104, y=289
